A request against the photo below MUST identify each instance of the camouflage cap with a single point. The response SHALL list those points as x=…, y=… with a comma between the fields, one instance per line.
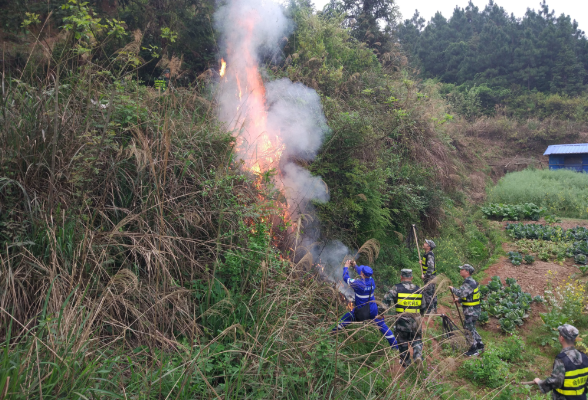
x=468, y=268
x=430, y=243
x=568, y=332
x=406, y=273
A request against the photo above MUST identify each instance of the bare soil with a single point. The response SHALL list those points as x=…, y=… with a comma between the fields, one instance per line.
x=532, y=278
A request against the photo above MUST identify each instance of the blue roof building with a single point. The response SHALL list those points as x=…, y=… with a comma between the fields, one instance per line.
x=568, y=156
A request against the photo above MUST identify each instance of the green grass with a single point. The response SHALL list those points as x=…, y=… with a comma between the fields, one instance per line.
x=562, y=192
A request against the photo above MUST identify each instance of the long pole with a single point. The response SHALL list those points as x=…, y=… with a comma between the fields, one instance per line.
x=418, y=249
x=458, y=312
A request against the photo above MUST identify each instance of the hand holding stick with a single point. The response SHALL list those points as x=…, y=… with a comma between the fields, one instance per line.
x=455, y=300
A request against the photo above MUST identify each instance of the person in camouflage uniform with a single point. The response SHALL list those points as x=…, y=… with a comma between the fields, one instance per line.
x=469, y=297
x=570, y=369
x=407, y=299
x=429, y=273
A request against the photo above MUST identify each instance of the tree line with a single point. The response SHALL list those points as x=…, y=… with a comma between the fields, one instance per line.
x=538, y=52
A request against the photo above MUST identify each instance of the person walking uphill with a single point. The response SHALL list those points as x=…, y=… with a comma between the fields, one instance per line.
x=365, y=303
x=429, y=273
x=408, y=303
x=570, y=369
x=469, y=297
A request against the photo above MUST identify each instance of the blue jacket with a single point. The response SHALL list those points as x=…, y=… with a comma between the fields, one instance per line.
x=364, y=289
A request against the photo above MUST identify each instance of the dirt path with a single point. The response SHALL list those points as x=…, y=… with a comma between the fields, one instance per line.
x=532, y=278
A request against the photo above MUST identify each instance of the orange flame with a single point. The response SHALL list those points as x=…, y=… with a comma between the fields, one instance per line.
x=223, y=67
x=259, y=148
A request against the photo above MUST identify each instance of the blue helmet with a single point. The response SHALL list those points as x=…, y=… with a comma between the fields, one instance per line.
x=367, y=271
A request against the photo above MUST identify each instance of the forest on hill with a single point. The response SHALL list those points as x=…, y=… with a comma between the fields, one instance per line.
x=181, y=181
x=503, y=56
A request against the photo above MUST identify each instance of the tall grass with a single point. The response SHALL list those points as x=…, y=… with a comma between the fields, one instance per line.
x=562, y=192
x=138, y=261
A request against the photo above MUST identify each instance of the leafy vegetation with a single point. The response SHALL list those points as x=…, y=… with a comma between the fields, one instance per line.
x=560, y=192
x=507, y=303
x=567, y=301
x=488, y=369
x=515, y=257
x=546, y=232
x=514, y=212
x=546, y=250
x=551, y=241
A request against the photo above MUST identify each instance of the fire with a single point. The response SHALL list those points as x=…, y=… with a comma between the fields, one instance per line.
x=258, y=146
x=223, y=67
x=350, y=306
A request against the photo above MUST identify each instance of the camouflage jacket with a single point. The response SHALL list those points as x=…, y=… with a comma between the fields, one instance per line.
x=430, y=274
x=556, y=380
x=407, y=322
x=464, y=291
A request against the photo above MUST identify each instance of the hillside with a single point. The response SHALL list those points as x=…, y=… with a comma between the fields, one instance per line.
x=183, y=236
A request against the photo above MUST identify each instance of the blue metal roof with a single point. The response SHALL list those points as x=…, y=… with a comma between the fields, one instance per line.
x=576, y=148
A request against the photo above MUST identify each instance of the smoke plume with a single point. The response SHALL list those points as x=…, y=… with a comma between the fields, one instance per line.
x=274, y=123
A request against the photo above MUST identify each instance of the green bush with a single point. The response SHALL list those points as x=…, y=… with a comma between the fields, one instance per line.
x=488, y=370
x=511, y=349
x=561, y=192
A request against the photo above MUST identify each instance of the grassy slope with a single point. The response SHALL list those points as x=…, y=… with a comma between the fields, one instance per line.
x=140, y=262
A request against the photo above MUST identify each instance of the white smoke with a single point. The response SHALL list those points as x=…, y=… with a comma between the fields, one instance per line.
x=287, y=114
x=331, y=257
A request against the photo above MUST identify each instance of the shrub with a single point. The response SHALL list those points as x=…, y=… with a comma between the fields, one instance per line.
x=567, y=301
x=528, y=259
x=511, y=349
x=567, y=298
x=488, y=370
x=561, y=192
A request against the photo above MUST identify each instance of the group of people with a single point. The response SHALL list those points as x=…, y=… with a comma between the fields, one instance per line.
x=410, y=303
x=569, y=378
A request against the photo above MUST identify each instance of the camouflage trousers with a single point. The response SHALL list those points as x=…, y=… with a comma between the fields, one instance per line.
x=414, y=338
x=429, y=298
x=470, y=326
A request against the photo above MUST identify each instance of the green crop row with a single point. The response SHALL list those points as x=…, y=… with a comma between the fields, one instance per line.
x=514, y=212
x=546, y=232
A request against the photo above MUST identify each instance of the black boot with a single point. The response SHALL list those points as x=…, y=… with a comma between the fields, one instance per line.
x=472, y=352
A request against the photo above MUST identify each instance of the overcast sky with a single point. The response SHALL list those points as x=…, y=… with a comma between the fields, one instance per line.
x=577, y=9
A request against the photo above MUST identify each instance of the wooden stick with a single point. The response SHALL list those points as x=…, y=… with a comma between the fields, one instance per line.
x=418, y=249
x=457, y=307
x=526, y=383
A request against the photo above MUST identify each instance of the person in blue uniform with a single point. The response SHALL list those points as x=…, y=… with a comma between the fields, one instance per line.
x=366, y=308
